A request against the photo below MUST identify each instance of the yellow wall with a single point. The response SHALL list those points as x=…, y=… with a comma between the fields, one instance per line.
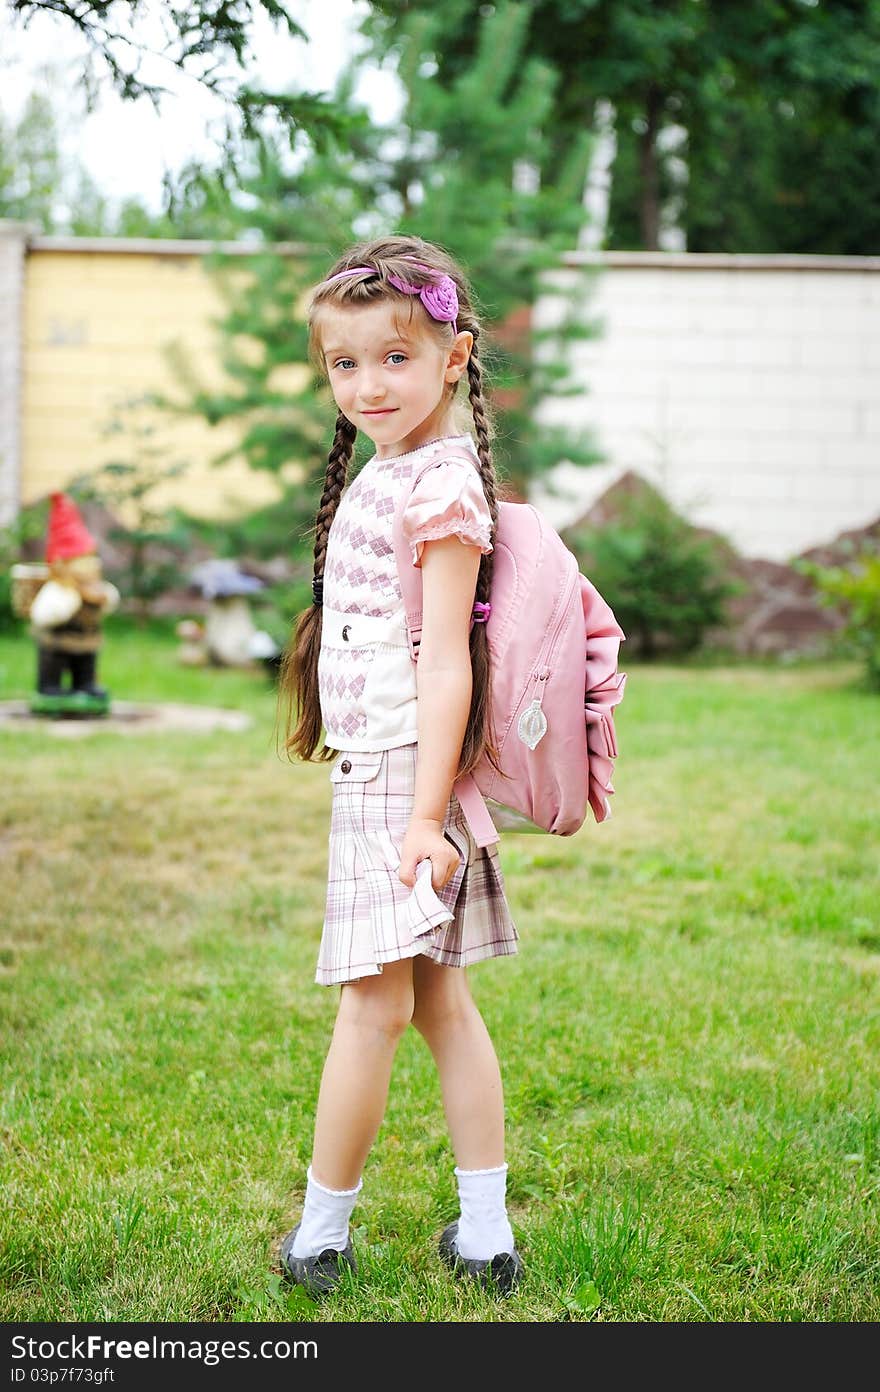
x=95, y=326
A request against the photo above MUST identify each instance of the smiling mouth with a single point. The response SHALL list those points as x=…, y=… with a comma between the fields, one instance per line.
x=386, y=411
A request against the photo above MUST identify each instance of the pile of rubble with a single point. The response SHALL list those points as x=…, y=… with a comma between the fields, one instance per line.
x=778, y=611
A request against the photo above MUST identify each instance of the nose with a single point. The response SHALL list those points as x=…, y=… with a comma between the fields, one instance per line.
x=372, y=389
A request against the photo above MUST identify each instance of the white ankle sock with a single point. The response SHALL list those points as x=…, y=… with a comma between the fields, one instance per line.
x=325, y=1218
x=483, y=1228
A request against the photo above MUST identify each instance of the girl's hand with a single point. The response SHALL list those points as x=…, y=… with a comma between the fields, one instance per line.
x=424, y=840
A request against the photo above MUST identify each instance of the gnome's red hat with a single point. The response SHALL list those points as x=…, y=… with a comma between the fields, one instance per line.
x=68, y=535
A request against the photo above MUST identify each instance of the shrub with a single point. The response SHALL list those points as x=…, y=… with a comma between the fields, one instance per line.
x=30, y=523
x=854, y=589
x=154, y=547
x=666, y=584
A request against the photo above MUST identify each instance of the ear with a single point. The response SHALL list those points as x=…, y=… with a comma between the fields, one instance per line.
x=459, y=353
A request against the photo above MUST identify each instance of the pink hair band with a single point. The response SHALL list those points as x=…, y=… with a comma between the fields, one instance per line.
x=352, y=270
x=440, y=298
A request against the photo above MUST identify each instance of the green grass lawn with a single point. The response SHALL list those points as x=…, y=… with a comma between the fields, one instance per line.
x=688, y=1036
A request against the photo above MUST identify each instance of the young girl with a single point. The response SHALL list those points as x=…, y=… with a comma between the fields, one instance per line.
x=412, y=901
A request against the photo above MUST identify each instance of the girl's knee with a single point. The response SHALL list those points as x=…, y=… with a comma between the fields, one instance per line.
x=442, y=995
x=383, y=1002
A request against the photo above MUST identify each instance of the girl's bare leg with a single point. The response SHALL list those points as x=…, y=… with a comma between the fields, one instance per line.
x=447, y=1017
x=373, y=1014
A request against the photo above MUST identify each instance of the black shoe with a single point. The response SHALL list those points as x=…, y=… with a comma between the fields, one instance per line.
x=317, y=1275
x=500, y=1273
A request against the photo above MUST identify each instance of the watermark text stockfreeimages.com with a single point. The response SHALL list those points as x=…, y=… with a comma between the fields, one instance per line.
x=97, y=1347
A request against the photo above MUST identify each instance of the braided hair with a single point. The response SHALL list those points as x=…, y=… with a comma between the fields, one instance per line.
x=298, y=674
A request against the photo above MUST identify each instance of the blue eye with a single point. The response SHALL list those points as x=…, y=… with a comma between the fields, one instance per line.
x=342, y=361
x=398, y=355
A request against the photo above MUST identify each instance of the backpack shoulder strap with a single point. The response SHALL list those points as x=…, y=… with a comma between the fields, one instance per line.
x=473, y=805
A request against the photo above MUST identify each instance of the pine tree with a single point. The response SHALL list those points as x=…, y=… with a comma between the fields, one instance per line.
x=460, y=167
x=297, y=220
x=466, y=160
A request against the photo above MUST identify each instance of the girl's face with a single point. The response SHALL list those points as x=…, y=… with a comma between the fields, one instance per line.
x=391, y=386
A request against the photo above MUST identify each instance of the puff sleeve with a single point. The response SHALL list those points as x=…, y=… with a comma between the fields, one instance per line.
x=448, y=500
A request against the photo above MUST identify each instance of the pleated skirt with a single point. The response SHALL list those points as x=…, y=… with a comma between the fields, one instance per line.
x=371, y=917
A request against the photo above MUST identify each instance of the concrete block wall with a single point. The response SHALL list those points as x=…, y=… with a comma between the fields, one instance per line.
x=746, y=387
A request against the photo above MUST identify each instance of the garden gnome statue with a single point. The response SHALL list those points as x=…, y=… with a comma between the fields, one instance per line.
x=66, y=615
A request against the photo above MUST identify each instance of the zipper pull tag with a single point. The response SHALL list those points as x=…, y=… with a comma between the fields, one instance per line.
x=532, y=725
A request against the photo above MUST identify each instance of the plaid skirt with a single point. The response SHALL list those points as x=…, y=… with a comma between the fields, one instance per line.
x=371, y=916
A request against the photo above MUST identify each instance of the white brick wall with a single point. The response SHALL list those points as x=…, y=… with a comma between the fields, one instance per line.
x=13, y=237
x=746, y=387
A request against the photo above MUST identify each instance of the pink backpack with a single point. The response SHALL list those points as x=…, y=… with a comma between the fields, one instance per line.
x=554, y=645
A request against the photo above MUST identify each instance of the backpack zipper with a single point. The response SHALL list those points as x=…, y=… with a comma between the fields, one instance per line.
x=532, y=724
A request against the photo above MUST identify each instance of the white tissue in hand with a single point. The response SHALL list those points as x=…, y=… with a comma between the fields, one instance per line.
x=424, y=910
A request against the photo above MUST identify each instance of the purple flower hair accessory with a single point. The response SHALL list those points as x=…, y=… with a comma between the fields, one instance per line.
x=440, y=297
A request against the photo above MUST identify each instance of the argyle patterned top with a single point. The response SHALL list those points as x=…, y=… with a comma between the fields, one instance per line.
x=360, y=577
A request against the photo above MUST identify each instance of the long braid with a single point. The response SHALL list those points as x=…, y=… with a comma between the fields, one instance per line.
x=480, y=737
x=338, y=461
x=487, y=468
x=298, y=675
